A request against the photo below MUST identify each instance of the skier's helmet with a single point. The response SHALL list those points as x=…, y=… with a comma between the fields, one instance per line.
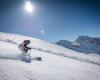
x=27, y=41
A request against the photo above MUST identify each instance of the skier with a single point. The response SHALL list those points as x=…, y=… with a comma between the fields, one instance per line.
x=23, y=46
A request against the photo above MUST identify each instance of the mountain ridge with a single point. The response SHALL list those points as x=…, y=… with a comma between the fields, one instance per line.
x=83, y=44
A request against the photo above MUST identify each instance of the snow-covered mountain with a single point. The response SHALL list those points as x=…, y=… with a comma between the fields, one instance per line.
x=58, y=63
x=83, y=44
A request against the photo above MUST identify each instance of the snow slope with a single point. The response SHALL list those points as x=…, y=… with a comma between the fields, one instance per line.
x=65, y=65
x=51, y=48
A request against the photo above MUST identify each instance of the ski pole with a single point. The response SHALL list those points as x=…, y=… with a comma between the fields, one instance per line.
x=29, y=53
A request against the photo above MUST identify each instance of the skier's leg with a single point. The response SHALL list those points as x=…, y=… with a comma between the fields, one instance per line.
x=25, y=50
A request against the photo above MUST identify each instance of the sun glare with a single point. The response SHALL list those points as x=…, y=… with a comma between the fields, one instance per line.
x=28, y=6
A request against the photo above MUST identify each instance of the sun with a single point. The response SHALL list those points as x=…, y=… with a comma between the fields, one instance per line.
x=28, y=6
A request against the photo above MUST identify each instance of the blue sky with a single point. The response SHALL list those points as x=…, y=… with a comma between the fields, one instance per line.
x=51, y=20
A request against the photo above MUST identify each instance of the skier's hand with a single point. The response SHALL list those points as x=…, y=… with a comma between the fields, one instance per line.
x=30, y=48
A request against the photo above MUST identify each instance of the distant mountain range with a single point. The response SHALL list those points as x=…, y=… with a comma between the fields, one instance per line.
x=83, y=44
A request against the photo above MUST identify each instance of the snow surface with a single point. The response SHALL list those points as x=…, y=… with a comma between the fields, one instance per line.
x=58, y=63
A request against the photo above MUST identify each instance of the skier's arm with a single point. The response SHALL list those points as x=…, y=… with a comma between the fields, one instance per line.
x=27, y=47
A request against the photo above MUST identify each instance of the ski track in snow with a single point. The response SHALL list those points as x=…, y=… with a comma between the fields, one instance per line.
x=52, y=67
